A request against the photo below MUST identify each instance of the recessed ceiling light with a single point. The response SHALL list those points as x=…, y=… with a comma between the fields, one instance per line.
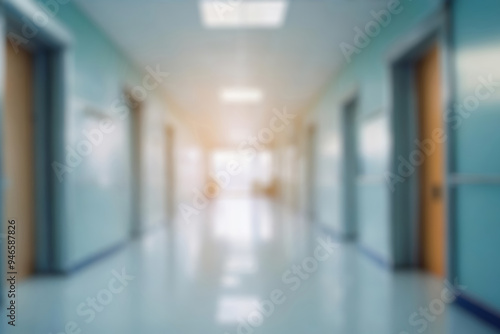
x=242, y=13
x=241, y=95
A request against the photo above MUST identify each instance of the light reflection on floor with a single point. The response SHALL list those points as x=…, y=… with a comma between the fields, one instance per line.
x=220, y=274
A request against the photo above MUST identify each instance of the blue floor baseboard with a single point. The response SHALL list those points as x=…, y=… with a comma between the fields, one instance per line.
x=478, y=309
x=94, y=258
x=340, y=237
x=378, y=259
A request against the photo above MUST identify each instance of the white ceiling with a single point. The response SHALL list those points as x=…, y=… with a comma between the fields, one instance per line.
x=291, y=64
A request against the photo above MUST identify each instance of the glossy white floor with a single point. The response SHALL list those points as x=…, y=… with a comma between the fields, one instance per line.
x=209, y=276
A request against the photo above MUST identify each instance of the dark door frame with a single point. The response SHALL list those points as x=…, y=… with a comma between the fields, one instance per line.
x=136, y=109
x=403, y=120
x=170, y=173
x=350, y=168
x=311, y=132
x=50, y=48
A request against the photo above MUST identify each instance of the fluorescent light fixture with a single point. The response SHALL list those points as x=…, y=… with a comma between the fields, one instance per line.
x=241, y=95
x=243, y=13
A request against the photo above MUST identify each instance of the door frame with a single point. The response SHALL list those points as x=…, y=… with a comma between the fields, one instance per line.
x=311, y=135
x=50, y=49
x=403, y=117
x=170, y=195
x=351, y=97
x=136, y=108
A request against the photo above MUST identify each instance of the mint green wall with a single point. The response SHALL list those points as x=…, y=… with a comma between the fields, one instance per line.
x=475, y=164
x=368, y=75
x=477, y=50
x=98, y=214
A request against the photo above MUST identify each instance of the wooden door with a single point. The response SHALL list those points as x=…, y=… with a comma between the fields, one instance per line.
x=432, y=209
x=18, y=159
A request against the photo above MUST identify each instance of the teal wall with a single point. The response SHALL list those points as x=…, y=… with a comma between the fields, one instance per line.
x=475, y=161
x=367, y=75
x=477, y=51
x=99, y=190
x=93, y=212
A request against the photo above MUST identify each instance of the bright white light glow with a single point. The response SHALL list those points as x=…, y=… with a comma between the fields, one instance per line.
x=241, y=95
x=241, y=264
x=242, y=13
x=232, y=308
x=230, y=281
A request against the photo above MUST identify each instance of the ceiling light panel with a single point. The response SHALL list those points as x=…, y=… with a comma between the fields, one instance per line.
x=242, y=13
x=241, y=95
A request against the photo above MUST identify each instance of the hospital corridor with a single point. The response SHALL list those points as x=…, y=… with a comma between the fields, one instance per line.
x=250, y=166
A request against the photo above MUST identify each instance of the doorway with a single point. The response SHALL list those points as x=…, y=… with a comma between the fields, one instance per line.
x=136, y=161
x=350, y=167
x=419, y=154
x=33, y=139
x=428, y=85
x=19, y=155
x=310, y=170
